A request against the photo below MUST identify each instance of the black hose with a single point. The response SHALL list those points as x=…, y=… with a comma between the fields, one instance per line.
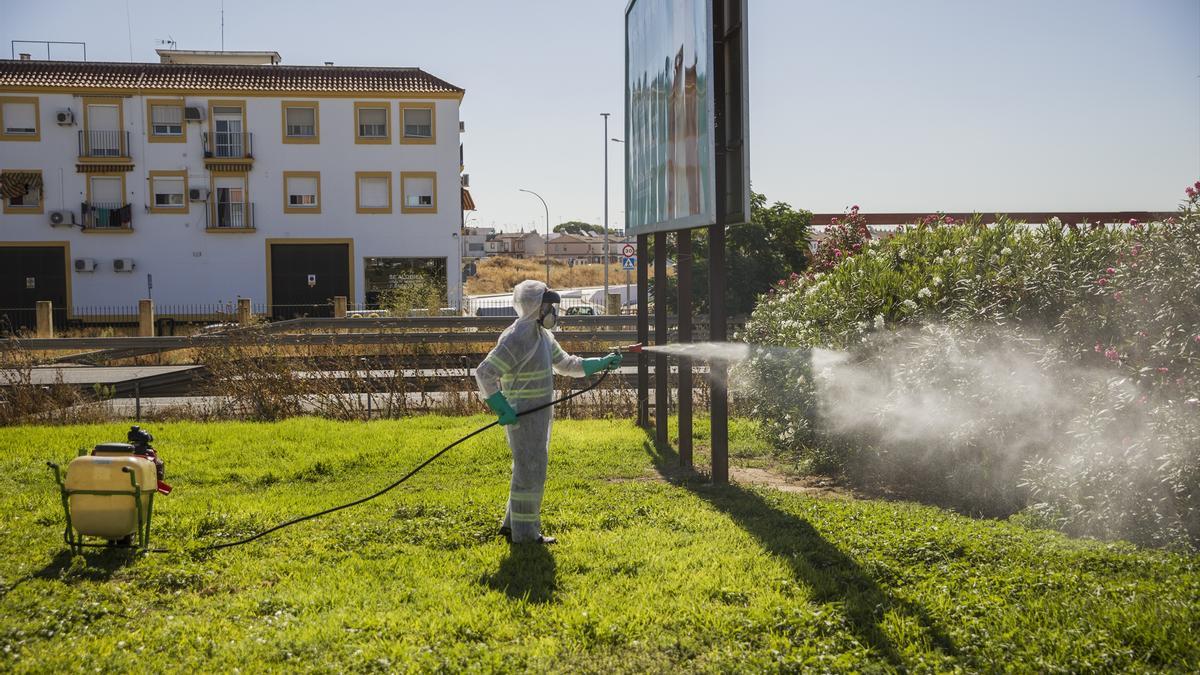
x=389, y=488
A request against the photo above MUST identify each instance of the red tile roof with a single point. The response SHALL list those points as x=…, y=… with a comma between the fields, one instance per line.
x=183, y=77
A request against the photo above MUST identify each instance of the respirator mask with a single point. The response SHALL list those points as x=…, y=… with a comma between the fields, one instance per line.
x=548, y=316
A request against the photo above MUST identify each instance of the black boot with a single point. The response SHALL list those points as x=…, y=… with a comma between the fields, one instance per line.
x=506, y=532
x=546, y=541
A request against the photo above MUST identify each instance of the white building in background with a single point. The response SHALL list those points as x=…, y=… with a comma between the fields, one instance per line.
x=219, y=175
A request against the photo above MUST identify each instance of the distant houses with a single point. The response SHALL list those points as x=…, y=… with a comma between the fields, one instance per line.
x=572, y=249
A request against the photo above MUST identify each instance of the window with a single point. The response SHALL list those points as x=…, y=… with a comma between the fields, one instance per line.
x=418, y=123
x=103, y=124
x=168, y=192
x=19, y=119
x=300, y=122
x=419, y=192
x=232, y=208
x=374, y=191
x=371, y=123
x=301, y=192
x=228, y=136
x=22, y=190
x=106, y=208
x=166, y=121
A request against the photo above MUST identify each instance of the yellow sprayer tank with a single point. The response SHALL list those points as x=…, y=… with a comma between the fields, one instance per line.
x=111, y=516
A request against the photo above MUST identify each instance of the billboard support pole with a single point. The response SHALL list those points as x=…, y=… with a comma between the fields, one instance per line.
x=683, y=274
x=662, y=368
x=643, y=331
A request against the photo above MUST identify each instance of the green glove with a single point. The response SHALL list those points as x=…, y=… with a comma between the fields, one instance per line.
x=500, y=406
x=609, y=362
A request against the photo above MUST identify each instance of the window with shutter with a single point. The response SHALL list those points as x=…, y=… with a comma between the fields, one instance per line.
x=419, y=189
x=301, y=122
x=19, y=117
x=302, y=192
x=371, y=123
x=374, y=192
x=166, y=120
x=418, y=123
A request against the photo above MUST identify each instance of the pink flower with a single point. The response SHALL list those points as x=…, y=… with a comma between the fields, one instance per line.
x=1196, y=339
x=854, y=209
x=1117, y=296
x=1098, y=348
x=1137, y=250
x=833, y=221
x=1163, y=370
x=1197, y=185
x=1111, y=354
x=1190, y=192
x=1133, y=222
x=1102, y=281
x=837, y=252
x=1110, y=271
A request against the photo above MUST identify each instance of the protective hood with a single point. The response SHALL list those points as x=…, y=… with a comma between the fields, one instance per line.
x=527, y=299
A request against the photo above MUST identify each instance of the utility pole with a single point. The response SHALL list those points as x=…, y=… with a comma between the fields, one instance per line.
x=606, y=257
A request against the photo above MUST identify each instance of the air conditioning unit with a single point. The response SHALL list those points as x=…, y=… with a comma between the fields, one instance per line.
x=62, y=217
x=193, y=114
x=123, y=264
x=462, y=126
x=198, y=194
x=466, y=180
x=85, y=265
x=64, y=117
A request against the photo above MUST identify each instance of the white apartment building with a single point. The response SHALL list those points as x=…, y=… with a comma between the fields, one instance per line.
x=219, y=175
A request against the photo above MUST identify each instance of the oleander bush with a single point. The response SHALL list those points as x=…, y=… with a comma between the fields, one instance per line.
x=1052, y=370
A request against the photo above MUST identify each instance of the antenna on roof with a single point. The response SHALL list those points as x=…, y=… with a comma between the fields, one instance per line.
x=222, y=25
x=170, y=41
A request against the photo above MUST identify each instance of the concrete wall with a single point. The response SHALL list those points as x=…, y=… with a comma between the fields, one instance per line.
x=192, y=265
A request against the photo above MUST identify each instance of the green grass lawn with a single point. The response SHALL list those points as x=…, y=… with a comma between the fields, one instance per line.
x=649, y=575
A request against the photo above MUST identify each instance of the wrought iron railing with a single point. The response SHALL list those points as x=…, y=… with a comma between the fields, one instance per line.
x=228, y=145
x=231, y=215
x=106, y=215
x=103, y=143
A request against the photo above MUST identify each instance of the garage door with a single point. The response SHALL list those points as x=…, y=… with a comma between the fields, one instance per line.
x=306, y=277
x=29, y=274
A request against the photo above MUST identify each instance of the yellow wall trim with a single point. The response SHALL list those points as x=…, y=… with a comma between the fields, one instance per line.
x=358, y=207
x=27, y=210
x=404, y=207
x=287, y=206
x=432, y=108
x=37, y=118
x=387, y=137
x=173, y=210
x=283, y=108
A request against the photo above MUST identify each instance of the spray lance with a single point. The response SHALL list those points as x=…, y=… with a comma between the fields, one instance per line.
x=137, y=516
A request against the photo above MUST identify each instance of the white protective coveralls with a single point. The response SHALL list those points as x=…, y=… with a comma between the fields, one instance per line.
x=522, y=365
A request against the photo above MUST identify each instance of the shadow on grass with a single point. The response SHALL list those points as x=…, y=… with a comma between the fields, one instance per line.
x=527, y=572
x=833, y=576
x=69, y=569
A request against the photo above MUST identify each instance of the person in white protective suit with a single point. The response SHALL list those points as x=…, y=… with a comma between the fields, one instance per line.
x=518, y=375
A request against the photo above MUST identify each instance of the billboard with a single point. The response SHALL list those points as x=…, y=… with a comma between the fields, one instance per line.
x=670, y=181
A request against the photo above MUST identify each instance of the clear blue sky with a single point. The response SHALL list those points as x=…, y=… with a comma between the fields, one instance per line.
x=896, y=106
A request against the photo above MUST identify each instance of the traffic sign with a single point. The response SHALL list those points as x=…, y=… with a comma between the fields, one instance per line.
x=628, y=251
x=628, y=263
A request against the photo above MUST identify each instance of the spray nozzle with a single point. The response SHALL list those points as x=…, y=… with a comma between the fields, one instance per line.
x=632, y=349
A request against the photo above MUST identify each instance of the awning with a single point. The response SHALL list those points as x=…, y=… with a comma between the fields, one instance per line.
x=17, y=183
x=468, y=204
x=103, y=168
x=229, y=167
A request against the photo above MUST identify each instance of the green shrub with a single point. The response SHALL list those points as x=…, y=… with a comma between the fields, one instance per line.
x=997, y=368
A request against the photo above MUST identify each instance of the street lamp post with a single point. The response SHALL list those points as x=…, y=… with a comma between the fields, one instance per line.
x=606, y=257
x=547, y=245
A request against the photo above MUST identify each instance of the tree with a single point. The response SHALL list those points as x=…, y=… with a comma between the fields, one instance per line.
x=582, y=228
x=771, y=247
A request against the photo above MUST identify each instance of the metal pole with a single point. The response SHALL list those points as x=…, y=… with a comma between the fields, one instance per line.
x=547, y=246
x=662, y=369
x=683, y=273
x=605, y=116
x=643, y=332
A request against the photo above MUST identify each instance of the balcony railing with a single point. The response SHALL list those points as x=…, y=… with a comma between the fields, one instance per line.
x=106, y=216
x=228, y=145
x=104, y=144
x=231, y=215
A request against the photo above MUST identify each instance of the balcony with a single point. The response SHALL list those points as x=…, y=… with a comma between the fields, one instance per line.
x=104, y=145
x=230, y=216
x=106, y=217
x=228, y=147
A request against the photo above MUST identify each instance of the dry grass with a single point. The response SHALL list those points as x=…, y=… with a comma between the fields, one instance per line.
x=499, y=274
